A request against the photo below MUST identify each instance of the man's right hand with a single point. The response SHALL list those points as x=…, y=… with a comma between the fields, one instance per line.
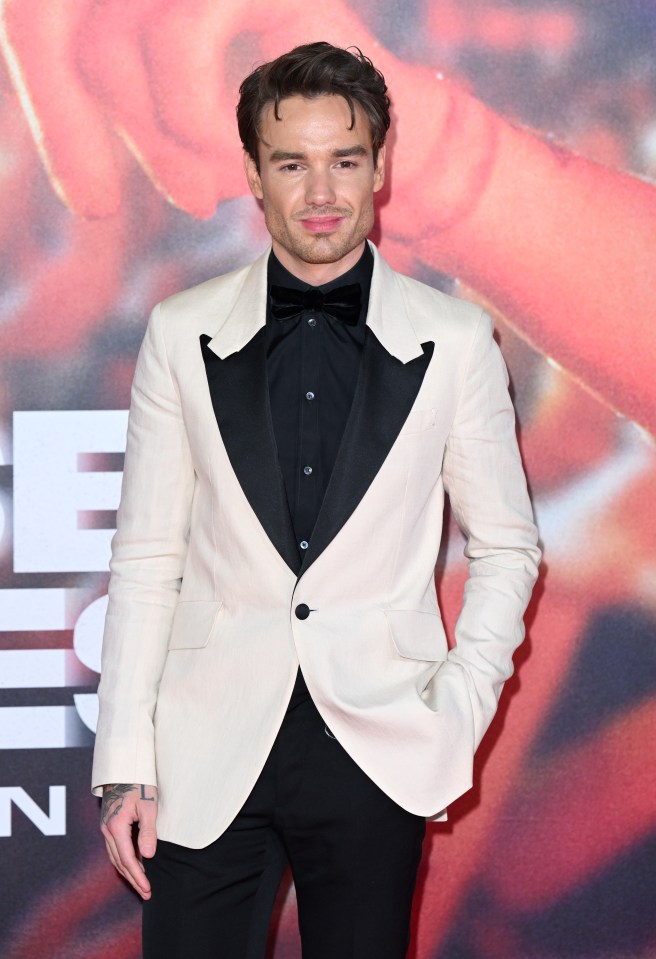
x=122, y=805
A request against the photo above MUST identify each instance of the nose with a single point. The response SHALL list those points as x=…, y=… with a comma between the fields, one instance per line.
x=319, y=189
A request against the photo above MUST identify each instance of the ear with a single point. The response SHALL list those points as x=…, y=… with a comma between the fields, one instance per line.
x=379, y=170
x=253, y=177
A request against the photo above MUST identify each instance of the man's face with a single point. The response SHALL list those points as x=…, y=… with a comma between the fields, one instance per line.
x=317, y=180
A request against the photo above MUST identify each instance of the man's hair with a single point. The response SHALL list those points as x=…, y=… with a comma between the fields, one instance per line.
x=314, y=70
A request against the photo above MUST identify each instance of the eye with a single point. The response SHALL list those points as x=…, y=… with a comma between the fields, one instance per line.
x=346, y=164
x=290, y=167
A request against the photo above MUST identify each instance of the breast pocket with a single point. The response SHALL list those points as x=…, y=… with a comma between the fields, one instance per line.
x=419, y=420
x=193, y=622
x=421, y=444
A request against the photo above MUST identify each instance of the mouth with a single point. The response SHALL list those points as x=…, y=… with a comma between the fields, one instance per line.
x=321, y=224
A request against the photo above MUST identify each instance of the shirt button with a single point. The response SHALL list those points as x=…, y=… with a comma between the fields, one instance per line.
x=309, y=395
x=302, y=611
x=307, y=470
x=303, y=544
x=312, y=321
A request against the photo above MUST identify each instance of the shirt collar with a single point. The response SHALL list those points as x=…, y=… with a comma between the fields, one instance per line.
x=278, y=275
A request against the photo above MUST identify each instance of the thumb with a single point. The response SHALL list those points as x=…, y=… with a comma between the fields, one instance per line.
x=147, y=839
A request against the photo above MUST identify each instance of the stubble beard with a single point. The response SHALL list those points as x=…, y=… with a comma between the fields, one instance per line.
x=320, y=247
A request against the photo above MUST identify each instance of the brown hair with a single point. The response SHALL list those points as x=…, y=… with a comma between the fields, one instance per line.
x=314, y=70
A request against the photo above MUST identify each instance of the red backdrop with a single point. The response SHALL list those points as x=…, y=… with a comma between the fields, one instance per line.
x=522, y=150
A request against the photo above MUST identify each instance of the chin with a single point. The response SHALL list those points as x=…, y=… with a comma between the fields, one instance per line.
x=324, y=256
x=327, y=252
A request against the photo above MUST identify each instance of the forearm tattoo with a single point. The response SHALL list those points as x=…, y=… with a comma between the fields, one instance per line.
x=113, y=796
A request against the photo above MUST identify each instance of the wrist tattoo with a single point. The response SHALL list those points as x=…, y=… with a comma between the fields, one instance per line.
x=113, y=796
x=112, y=800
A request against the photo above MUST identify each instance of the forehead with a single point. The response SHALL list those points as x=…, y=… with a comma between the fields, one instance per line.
x=317, y=122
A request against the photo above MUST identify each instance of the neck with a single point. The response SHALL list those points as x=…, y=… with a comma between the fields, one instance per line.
x=316, y=274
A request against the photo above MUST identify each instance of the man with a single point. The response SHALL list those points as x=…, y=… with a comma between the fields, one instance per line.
x=303, y=531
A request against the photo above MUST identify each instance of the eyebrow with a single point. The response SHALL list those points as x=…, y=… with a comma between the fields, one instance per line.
x=279, y=156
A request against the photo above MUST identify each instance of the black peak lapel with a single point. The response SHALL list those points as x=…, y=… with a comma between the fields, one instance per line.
x=384, y=395
x=239, y=391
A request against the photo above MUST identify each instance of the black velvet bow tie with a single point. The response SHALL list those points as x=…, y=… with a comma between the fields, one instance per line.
x=342, y=303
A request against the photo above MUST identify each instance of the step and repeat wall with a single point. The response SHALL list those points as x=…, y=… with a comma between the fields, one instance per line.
x=523, y=159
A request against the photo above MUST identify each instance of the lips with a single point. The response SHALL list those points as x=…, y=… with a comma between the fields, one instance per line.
x=322, y=224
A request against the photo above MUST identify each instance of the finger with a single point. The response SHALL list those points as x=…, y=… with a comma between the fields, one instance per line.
x=196, y=56
x=130, y=865
x=186, y=42
x=130, y=879
x=114, y=859
x=111, y=35
x=69, y=128
x=111, y=852
x=200, y=116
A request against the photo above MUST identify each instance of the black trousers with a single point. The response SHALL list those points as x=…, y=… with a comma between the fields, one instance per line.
x=354, y=855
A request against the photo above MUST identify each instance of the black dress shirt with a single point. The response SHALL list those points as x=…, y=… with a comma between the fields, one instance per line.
x=313, y=363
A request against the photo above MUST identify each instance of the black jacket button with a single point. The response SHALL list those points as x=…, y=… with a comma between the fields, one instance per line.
x=302, y=611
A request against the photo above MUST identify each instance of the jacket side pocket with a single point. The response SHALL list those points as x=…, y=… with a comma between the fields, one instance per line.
x=193, y=622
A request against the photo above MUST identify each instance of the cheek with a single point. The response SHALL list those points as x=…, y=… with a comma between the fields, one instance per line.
x=279, y=204
x=271, y=210
x=365, y=207
x=363, y=198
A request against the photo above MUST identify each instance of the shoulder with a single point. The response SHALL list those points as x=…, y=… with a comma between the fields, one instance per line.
x=205, y=299
x=437, y=306
x=435, y=315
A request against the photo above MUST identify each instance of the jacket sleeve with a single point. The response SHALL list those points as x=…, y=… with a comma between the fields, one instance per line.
x=484, y=478
x=149, y=550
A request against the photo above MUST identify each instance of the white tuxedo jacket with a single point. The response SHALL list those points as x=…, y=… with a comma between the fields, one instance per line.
x=202, y=642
